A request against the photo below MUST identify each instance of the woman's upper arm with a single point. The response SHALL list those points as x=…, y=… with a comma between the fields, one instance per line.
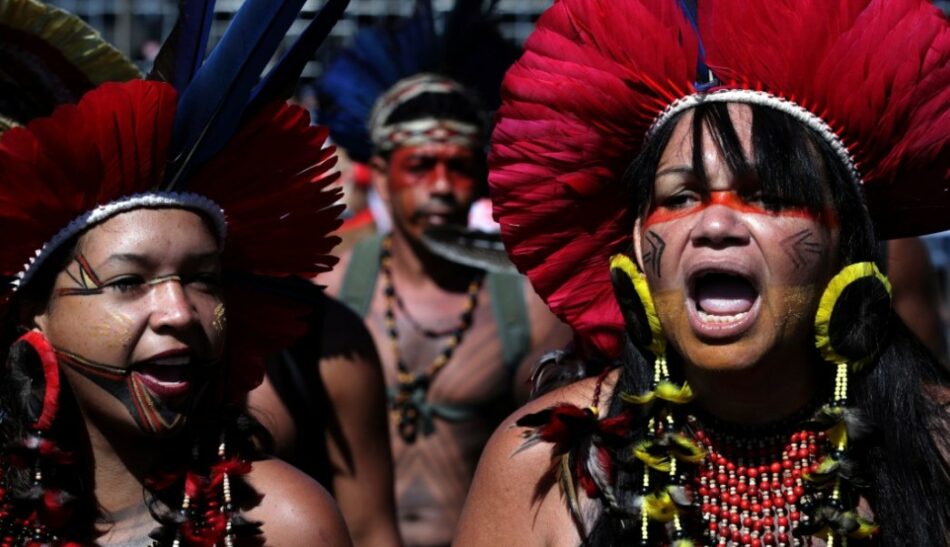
x=500, y=509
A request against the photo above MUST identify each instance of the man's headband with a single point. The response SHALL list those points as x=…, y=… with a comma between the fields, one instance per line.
x=419, y=131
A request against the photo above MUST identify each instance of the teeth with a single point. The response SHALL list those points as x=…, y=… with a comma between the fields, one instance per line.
x=171, y=361
x=720, y=319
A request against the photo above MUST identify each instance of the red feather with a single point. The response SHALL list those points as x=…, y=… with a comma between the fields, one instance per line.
x=272, y=180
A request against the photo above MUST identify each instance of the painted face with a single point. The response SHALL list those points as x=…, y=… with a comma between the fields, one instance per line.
x=137, y=318
x=430, y=185
x=736, y=278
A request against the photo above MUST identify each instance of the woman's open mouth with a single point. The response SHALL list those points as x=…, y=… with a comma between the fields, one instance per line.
x=722, y=304
x=166, y=378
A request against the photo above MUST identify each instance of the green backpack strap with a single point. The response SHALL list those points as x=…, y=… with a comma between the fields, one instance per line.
x=511, y=316
x=359, y=281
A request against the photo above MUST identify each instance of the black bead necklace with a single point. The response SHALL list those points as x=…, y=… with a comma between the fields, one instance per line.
x=412, y=387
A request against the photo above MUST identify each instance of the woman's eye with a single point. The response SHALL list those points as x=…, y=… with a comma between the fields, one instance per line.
x=126, y=284
x=206, y=281
x=678, y=201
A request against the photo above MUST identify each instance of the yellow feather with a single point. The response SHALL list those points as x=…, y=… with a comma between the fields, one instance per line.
x=668, y=391
x=659, y=506
x=829, y=299
x=623, y=263
x=638, y=399
x=686, y=449
x=642, y=453
x=838, y=435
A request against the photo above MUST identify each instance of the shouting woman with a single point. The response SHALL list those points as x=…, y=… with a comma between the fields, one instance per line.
x=699, y=192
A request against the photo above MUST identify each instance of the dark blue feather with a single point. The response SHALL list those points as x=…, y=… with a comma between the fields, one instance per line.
x=281, y=81
x=378, y=58
x=211, y=108
x=184, y=50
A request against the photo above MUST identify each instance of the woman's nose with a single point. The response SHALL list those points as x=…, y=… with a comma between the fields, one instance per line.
x=720, y=225
x=172, y=307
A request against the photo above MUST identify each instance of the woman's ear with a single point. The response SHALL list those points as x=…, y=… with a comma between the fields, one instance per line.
x=40, y=321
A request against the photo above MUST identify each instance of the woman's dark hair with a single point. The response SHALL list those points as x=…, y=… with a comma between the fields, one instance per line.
x=908, y=479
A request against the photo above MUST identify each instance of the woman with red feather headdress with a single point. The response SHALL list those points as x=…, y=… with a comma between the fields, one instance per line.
x=152, y=230
x=698, y=191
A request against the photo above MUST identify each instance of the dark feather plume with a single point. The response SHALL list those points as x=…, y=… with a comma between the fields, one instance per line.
x=281, y=81
x=184, y=49
x=470, y=50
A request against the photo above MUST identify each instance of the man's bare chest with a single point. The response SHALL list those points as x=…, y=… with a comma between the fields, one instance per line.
x=473, y=373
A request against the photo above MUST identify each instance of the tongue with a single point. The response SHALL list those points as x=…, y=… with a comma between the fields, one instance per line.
x=724, y=295
x=164, y=373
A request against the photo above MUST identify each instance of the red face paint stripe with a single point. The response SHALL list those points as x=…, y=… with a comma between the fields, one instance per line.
x=732, y=200
x=84, y=264
x=91, y=368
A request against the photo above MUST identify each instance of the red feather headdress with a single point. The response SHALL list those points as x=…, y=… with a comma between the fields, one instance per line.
x=872, y=77
x=268, y=187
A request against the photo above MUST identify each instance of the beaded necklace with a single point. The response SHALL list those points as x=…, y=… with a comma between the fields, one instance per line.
x=751, y=488
x=412, y=388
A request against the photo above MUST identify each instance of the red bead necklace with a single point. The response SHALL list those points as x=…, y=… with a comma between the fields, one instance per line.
x=750, y=487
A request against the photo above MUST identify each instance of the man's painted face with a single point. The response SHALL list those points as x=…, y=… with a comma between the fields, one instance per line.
x=430, y=185
x=736, y=277
x=137, y=318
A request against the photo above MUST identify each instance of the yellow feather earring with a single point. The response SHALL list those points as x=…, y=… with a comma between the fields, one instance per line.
x=848, y=336
x=664, y=444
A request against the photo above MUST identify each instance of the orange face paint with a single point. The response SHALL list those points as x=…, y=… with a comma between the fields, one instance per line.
x=732, y=200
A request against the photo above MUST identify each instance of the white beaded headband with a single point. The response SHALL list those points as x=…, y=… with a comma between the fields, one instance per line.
x=762, y=98
x=145, y=200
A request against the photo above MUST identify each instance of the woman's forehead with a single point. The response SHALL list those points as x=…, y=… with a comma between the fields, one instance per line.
x=156, y=233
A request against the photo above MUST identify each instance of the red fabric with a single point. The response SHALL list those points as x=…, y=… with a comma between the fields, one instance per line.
x=596, y=73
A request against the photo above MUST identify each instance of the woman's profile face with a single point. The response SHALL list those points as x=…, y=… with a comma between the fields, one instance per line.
x=736, y=276
x=137, y=317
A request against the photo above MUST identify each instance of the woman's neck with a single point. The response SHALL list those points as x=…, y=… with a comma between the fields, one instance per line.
x=121, y=463
x=768, y=392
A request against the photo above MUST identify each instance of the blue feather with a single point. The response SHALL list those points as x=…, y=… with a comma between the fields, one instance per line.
x=378, y=58
x=211, y=108
x=282, y=79
x=184, y=50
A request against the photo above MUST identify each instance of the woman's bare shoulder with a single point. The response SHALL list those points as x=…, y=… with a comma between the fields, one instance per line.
x=295, y=509
x=513, y=499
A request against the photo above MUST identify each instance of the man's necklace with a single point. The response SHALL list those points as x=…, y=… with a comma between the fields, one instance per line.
x=412, y=388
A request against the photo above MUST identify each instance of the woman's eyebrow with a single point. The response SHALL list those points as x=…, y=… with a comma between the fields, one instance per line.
x=678, y=169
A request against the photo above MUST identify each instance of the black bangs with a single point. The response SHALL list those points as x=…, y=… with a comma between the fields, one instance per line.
x=790, y=166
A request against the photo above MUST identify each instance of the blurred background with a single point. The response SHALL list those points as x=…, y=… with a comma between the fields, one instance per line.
x=137, y=28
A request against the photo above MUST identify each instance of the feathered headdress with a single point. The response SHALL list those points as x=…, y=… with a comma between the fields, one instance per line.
x=469, y=51
x=50, y=57
x=871, y=77
x=210, y=135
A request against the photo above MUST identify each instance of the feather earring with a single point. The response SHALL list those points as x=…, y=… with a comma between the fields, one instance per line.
x=33, y=366
x=852, y=318
x=662, y=490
